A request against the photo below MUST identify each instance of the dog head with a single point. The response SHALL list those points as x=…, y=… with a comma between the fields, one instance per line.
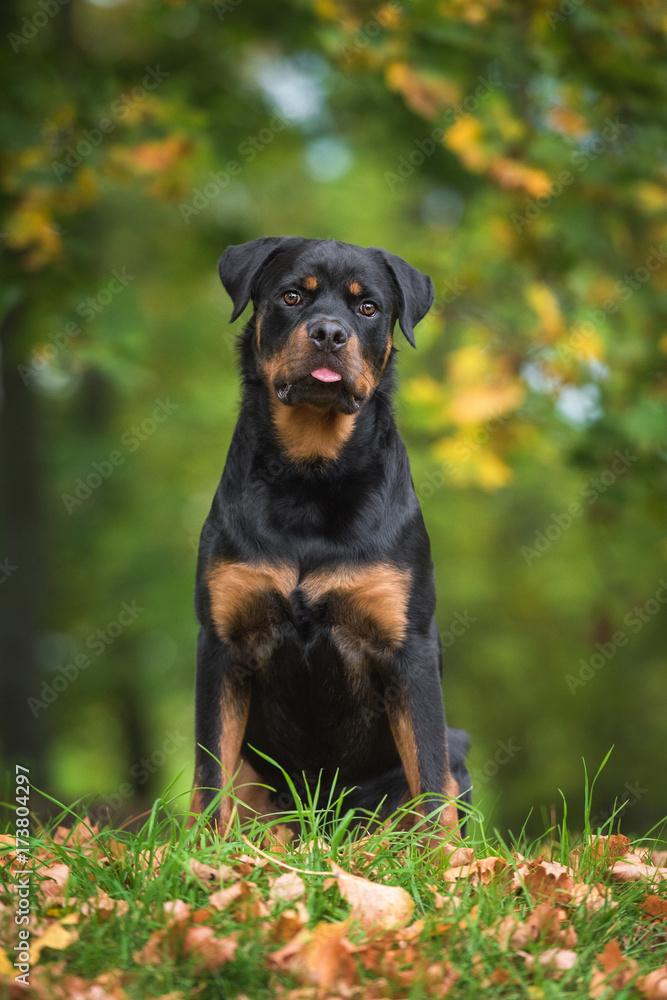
x=324, y=314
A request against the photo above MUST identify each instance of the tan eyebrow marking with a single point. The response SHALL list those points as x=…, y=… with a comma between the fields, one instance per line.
x=355, y=288
x=310, y=282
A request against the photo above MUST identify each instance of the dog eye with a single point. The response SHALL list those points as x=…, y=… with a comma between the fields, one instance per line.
x=368, y=309
x=291, y=298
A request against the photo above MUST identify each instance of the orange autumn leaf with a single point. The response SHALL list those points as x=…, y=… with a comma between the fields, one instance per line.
x=425, y=95
x=568, y=122
x=155, y=157
x=322, y=956
x=654, y=906
x=210, y=951
x=514, y=175
x=617, y=971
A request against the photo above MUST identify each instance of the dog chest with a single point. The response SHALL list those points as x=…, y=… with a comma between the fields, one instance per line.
x=364, y=608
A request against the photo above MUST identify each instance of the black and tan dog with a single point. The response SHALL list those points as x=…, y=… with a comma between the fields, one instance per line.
x=318, y=644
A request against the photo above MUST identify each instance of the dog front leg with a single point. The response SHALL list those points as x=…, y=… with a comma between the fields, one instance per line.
x=222, y=703
x=417, y=720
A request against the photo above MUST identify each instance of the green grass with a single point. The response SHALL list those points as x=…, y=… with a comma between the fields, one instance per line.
x=459, y=924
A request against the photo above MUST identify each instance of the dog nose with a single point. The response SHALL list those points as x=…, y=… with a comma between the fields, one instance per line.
x=328, y=335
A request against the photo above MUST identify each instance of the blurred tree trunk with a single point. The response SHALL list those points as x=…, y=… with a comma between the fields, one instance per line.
x=24, y=735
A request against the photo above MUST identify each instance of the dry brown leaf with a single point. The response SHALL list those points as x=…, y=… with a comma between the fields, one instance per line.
x=104, y=906
x=220, y=900
x=461, y=856
x=382, y=907
x=610, y=848
x=617, y=971
x=178, y=912
x=289, y=923
x=80, y=834
x=327, y=958
x=655, y=906
x=322, y=956
x=212, y=952
x=287, y=888
x=52, y=886
x=210, y=875
x=545, y=880
x=634, y=869
x=654, y=985
x=555, y=961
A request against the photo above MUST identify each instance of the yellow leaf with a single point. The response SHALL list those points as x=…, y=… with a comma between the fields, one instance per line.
x=55, y=936
x=545, y=304
x=475, y=405
x=470, y=464
x=424, y=390
x=464, y=138
x=6, y=967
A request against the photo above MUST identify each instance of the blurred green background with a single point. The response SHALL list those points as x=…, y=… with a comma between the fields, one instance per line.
x=514, y=151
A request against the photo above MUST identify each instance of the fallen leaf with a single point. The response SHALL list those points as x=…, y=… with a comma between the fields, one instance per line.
x=633, y=869
x=55, y=936
x=220, y=900
x=382, y=907
x=617, y=971
x=654, y=985
x=208, y=874
x=287, y=887
x=655, y=906
x=327, y=958
x=213, y=952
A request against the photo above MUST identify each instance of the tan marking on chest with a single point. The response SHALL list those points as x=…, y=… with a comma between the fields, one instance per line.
x=307, y=433
x=372, y=597
x=239, y=593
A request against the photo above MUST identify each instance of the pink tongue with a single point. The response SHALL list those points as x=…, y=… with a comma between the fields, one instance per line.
x=326, y=375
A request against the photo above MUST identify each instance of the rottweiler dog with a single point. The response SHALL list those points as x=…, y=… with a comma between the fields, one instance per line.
x=318, y=646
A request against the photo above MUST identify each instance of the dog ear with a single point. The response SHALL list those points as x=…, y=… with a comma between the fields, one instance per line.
x=414, y=293
x=240, y=268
